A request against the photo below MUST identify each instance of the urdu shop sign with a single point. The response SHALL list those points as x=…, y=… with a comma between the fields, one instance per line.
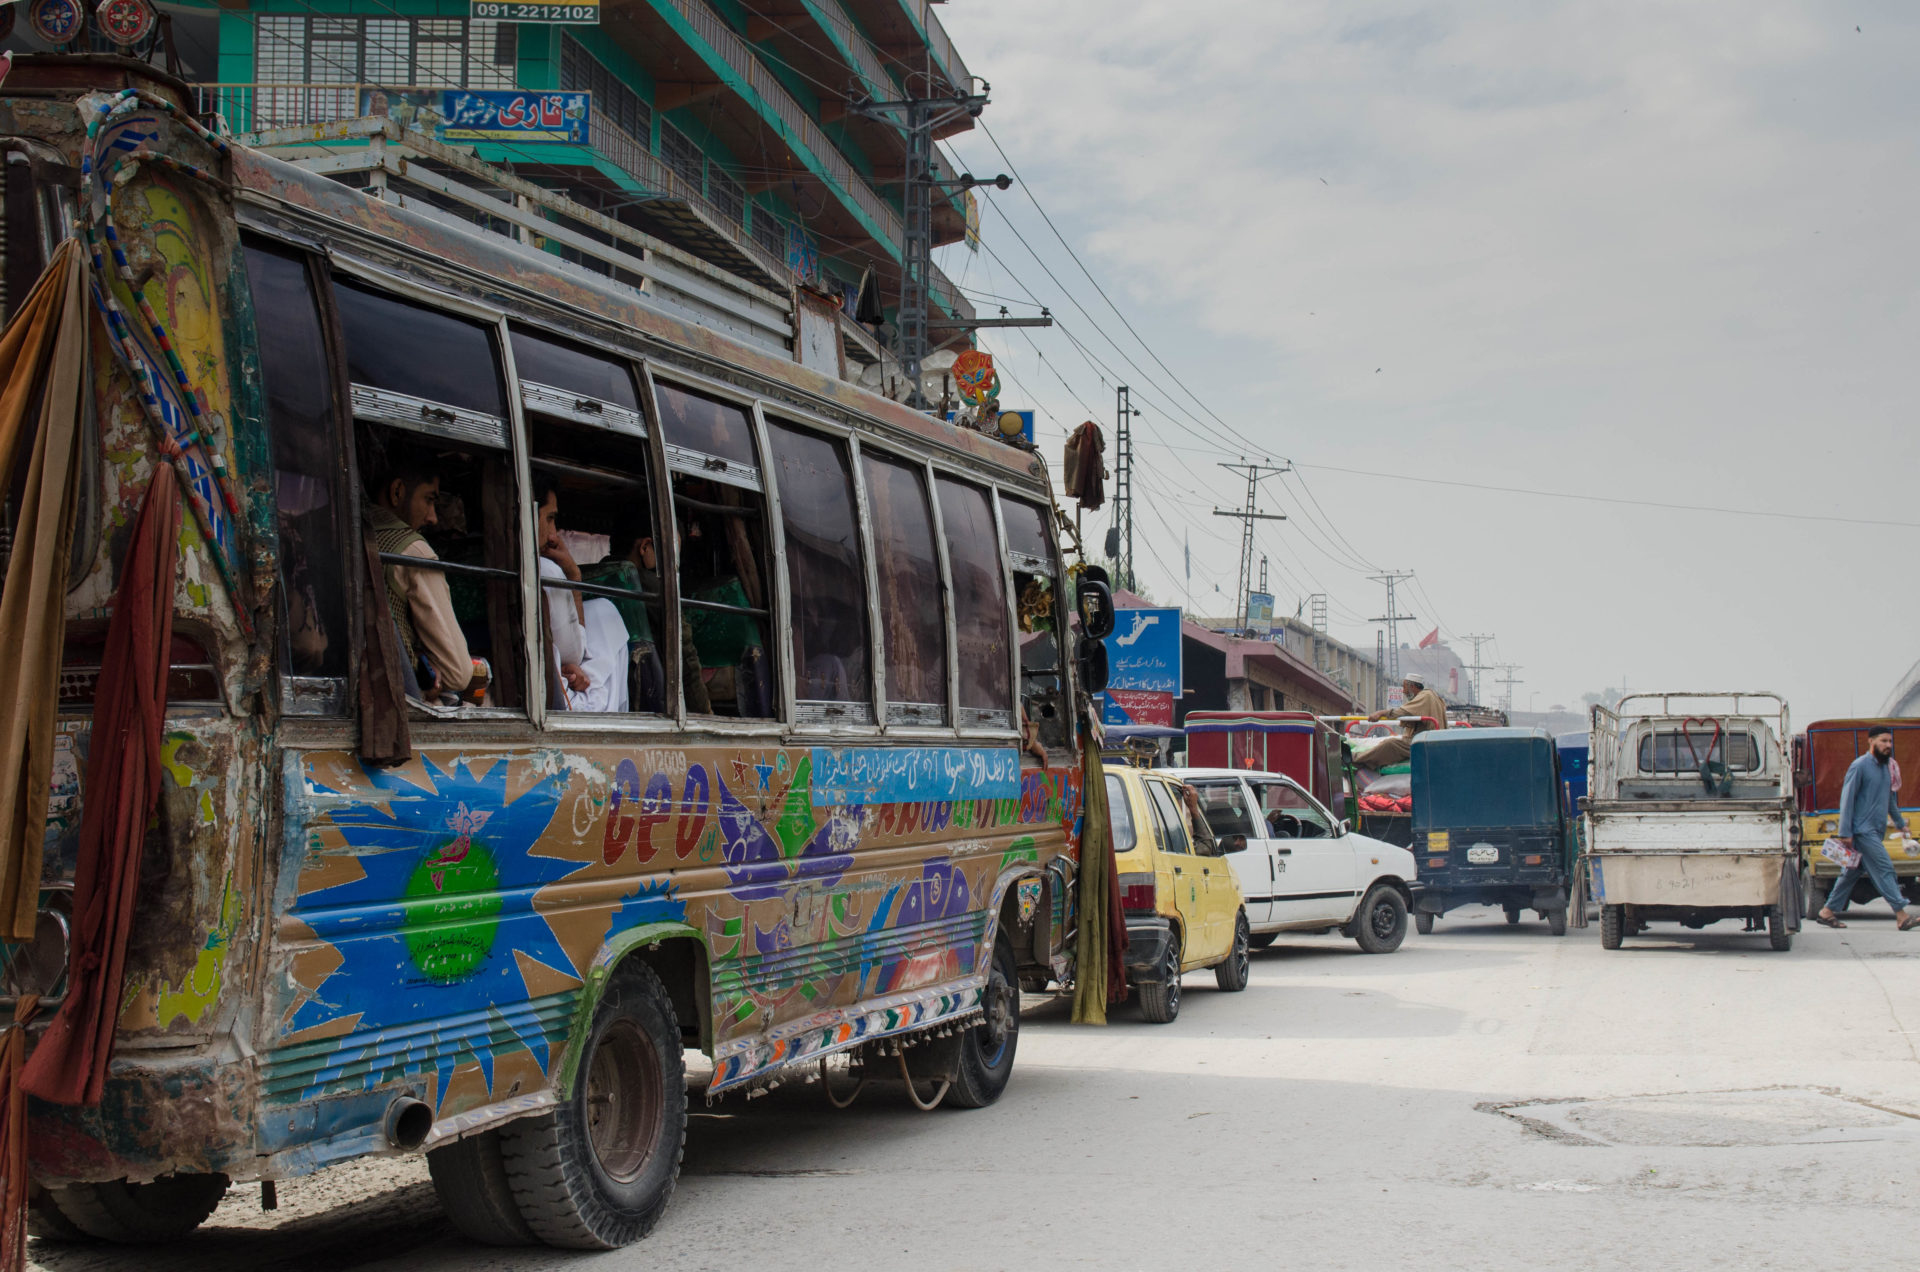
x=513, y=115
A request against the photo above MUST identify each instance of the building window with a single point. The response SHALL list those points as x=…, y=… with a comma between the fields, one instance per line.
x=767, y=232
x=681, y=155
x=726, y=194
x=390, y=52
x=581, y=71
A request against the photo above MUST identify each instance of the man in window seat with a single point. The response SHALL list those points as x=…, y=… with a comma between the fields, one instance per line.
x=418, y=599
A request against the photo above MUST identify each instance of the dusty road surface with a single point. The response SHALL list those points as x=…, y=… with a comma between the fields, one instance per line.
x=1488, y=1097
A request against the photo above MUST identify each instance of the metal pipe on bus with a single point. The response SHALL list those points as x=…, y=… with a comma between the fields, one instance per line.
x=407, y=1123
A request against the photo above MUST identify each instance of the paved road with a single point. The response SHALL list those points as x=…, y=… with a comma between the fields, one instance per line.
x=1488, y=1097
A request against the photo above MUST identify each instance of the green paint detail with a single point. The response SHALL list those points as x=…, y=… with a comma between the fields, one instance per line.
x=1023, y=850
x=611, y=956
x=453, y=915
x=201, y=987
x=796, y=827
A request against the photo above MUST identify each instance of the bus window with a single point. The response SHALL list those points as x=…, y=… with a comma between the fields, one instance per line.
x=719, y=513
x=593, y=508
x=1043, y=706
x=912, y=600
x=430, y=407
x=307, y=462
x=826, y=577
x=979, y=606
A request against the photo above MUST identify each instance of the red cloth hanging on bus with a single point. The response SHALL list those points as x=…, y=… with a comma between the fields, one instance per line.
x=122, y=788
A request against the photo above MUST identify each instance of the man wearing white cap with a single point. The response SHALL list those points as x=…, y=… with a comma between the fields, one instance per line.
x=1420, y=701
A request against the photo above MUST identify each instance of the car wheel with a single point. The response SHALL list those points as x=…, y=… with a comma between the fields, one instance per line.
x=597, y=1172
x=986, y=1050
x=1777, y=934
x=1382, y=922
x=1231, y=974
x=1557, y=922
x=1423, y=924
x=1160, y=1000
x=1611, y=923
x=1261, y=940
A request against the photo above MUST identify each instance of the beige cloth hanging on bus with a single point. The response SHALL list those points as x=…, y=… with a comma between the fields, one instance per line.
x=45, y=344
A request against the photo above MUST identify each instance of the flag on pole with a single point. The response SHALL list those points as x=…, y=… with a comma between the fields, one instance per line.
x=1430, y=639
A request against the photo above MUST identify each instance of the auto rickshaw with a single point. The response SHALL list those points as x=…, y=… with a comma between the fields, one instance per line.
x=1491, y=825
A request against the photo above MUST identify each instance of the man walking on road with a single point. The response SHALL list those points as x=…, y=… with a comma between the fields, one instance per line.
x=1867, y=804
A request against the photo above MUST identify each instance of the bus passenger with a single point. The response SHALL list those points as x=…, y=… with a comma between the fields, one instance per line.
x=589, y=637
x=421, y=606
x=692, y=677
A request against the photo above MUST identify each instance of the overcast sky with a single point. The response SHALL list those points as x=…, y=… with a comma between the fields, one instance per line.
x=1650, y=251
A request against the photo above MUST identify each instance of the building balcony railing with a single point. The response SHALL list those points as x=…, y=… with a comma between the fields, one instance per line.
x=945, y=56
x=259, y=107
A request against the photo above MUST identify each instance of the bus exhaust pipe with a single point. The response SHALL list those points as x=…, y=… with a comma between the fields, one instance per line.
x=407, y=1123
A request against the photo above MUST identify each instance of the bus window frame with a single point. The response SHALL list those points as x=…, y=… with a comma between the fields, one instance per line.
x=357, y=269
x=1055, y=571
x=654, y=372
x=939, y=466
x=876, y=689
x=597, y=722
x=925, y=468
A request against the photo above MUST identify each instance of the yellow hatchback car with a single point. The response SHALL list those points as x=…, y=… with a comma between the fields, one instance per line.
x=1181, y=900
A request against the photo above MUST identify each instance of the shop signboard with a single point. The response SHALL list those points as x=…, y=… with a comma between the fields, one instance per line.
x=1143, y=651
x=574, y=13
x=1260, y=614
x=513, y=115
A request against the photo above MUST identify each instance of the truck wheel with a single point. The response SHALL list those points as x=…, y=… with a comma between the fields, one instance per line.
x=1160, y=1000
x=1381, y=924
x=986, y=1050
x=596, y=1173
x=139, y=1214
x=470, y=1178
x=1610, y=924
x=1557, y=922
x=1423, y=924
x=1231, y=973
x=1777, y=934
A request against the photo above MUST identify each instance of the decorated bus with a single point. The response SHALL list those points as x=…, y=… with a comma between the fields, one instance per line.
x=477, y=688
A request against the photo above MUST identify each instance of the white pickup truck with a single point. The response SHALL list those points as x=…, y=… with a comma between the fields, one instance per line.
x=1690, y=814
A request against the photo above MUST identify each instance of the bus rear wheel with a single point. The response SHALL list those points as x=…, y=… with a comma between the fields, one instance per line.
x=470, y=1178
x=597, y=1172
x=986, y=1050
x=138, y=1214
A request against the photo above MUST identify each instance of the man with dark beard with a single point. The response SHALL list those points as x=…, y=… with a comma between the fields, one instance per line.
x=1867, y=804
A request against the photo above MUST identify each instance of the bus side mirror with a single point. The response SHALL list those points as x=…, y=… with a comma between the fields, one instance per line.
x=1092, y=663
x=1094, y=599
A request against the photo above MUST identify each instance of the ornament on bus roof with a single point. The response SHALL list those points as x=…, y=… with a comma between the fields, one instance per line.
x=974, y=378
x=126, y=22
x=56, y=21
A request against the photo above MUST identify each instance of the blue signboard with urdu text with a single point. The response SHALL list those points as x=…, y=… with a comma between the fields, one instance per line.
x=1143, y=651
x=513, y=115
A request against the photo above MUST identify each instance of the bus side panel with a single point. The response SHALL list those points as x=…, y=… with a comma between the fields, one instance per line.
x=437, y=920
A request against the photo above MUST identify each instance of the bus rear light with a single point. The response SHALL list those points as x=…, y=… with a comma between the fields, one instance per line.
x=1139, y=894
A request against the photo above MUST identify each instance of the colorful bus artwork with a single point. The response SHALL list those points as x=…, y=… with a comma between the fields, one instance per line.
x=566, y=686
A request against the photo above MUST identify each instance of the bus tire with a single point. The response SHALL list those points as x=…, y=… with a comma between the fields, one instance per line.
x=597, y=1172
x=987, y=1049
x=470, y=1177
x=45, y=1221
x=140, y=1214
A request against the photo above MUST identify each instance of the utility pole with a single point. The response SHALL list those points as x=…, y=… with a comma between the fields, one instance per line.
x=1263, y=572
x=1123, y=482
x=1317, y=614
x=921, y=118
x=1508, y=681
x=1477, y=666
x=1392, y=618
x=1379, y=670
x=1255, y=473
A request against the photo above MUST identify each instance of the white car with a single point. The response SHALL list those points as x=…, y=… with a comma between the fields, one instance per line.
x=1300, y=868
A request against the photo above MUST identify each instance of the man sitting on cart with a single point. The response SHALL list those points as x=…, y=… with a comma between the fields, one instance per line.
x=1423, y=709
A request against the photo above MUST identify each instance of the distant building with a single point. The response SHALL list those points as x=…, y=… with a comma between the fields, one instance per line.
x=1905, y=698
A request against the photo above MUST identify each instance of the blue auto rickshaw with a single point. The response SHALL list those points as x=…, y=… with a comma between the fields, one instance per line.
x=1492, y=824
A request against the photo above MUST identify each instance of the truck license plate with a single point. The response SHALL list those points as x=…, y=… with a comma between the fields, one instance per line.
x=1482, y=855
